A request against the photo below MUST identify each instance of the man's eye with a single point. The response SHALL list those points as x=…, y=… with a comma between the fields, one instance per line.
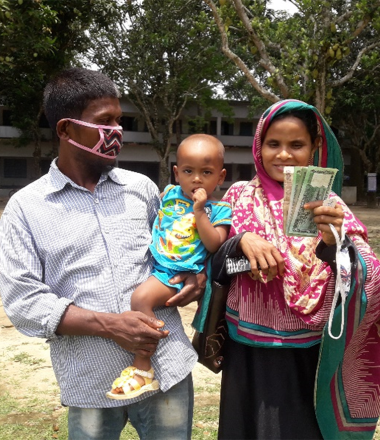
x=187, y=171
x=207, y=172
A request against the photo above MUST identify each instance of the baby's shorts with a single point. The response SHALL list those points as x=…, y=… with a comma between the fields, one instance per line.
x=164, y=274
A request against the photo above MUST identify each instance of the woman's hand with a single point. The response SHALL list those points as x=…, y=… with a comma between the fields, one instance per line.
x=263, y=254
x=323, y=215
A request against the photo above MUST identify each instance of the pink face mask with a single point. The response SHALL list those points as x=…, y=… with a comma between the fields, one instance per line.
x=110, y=142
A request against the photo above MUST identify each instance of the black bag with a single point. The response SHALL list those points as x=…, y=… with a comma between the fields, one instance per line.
x=209, y=344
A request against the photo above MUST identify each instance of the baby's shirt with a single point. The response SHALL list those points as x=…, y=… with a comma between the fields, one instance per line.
x=176, y=243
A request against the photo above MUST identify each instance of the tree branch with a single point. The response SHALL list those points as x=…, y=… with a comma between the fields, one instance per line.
x=235, y=58
x=265, y=61
x=351, y=71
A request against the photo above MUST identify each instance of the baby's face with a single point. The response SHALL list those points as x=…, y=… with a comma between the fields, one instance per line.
x=199, y=165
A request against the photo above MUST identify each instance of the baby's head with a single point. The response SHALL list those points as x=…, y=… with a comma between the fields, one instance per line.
x=200, y=159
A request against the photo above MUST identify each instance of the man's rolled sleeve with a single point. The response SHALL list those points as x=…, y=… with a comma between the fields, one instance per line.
x=28, y=301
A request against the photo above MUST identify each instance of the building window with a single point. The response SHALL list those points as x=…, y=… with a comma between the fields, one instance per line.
x=178, y=127
x=7, y=118
x=212, y=125
x=229, y=172
x=129, y=123
x=45, y=166
x=43, y=122
x=227, y=129
x=245, y=129
x=15, y=168
x=245, y=171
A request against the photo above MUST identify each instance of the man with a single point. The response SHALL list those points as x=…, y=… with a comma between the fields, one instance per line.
x=74, y=246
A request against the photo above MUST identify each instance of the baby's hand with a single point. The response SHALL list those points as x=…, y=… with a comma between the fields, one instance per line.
x=199, y=199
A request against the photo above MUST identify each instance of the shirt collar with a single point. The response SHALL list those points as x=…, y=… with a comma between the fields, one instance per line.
x=58, y=180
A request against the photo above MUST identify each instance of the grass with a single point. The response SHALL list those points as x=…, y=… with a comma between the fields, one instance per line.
x=27, y=359
x=32, y=419
x=35, y=418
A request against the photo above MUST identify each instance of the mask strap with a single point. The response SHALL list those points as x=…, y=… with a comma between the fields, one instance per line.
x=88, y=124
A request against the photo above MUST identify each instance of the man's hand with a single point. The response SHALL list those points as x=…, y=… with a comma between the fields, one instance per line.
x=136, y=332
x=263, y=254
x=192, y=290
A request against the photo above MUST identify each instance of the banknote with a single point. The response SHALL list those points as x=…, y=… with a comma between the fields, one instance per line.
x=315, y=184
x=288, y=181
x=298, y=176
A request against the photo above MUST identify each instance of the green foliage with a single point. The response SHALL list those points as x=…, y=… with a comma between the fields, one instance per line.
x=304, y=55
x=38, y=39
x=357, y=111
x=164, y=55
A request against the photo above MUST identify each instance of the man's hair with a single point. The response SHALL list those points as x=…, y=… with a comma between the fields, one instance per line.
x=69, y=93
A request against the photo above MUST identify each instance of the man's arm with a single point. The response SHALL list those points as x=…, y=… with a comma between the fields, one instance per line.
x=133, y=331
x=36, y=311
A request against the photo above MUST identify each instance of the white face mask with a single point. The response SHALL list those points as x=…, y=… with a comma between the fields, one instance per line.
x=110, y=142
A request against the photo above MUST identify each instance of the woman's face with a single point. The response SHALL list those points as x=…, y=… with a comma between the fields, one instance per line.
x=287, y=143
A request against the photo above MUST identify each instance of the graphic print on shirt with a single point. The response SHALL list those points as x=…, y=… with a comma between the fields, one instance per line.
x=179, y=241
x=176, y=244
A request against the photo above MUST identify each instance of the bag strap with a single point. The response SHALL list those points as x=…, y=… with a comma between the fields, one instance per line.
x=227, y=249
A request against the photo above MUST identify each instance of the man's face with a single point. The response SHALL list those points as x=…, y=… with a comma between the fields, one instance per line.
x=103, y=111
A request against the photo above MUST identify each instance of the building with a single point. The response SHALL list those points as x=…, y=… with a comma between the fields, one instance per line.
x=17, y=163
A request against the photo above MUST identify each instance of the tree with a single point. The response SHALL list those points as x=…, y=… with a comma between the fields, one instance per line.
x=164, y=55
x=38, y=39
x=307, y=55
x=357, y=114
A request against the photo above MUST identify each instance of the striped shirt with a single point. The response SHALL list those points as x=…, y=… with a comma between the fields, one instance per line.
x=62, y=245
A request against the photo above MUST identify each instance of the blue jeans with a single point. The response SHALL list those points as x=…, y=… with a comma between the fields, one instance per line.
x=163, y=416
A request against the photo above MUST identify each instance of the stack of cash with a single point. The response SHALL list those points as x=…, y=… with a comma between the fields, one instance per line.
x=303, y=185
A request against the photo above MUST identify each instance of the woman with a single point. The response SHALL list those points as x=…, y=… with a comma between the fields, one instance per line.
x=284, y=349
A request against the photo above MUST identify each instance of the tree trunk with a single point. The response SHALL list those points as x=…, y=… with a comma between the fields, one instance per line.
x=164, y=178
x=371, y=200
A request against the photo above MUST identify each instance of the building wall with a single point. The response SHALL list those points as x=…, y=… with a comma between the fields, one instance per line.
x=137, y=153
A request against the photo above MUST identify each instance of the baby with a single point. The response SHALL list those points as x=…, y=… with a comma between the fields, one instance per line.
x=190, y=224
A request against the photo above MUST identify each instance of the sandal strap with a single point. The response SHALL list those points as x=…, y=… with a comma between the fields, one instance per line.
x=148, y=374
x=131, y=383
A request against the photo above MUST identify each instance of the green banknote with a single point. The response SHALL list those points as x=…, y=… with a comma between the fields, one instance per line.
x=309, y=184
x=296, y=185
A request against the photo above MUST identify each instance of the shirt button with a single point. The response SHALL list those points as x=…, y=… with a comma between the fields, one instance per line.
x=96, y=200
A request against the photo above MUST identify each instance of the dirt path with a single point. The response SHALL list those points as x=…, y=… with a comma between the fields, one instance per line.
x=25, y=362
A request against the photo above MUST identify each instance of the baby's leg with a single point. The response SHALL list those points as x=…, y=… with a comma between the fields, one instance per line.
x=150, y=294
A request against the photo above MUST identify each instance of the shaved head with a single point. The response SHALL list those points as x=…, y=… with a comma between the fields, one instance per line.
x=203, y=141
